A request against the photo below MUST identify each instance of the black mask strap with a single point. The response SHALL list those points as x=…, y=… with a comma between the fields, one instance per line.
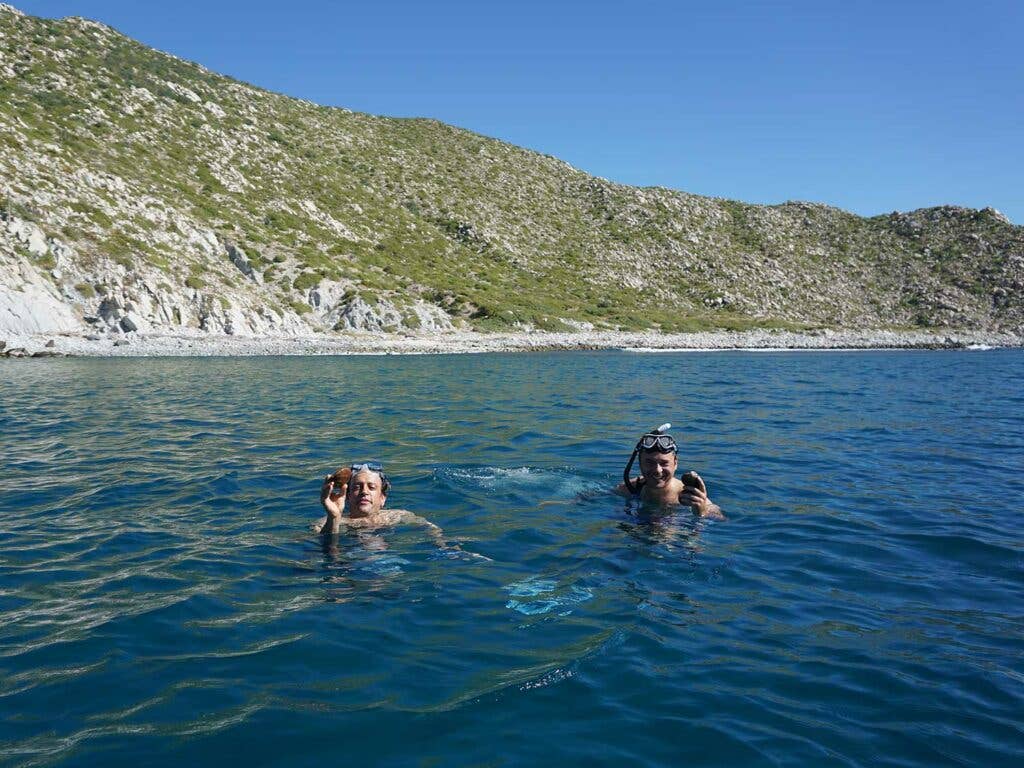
x=629, y=466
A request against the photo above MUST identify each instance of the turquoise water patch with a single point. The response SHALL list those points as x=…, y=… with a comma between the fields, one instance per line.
x=534, y=595
x=383, y=565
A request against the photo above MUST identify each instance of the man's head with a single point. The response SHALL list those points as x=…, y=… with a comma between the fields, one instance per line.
x=658, y=467
x=657, y=452
x=367, y=489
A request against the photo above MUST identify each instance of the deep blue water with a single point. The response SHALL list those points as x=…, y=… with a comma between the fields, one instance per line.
x=162, y=602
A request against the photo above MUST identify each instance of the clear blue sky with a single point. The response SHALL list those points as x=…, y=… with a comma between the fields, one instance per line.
x=870, y=106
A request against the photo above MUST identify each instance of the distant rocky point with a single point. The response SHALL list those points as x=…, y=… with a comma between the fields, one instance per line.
x=142, y=194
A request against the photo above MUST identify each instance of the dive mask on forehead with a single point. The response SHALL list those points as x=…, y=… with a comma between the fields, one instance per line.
x=659, y=443
x=376, y=467
x=655, y=440
x=372, y=466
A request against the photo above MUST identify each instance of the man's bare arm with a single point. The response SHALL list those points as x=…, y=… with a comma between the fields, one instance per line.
x=622, y=490
x=437, y=535
x=433, y=531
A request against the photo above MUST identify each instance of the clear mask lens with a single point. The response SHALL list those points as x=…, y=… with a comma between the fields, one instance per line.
x=659, y=442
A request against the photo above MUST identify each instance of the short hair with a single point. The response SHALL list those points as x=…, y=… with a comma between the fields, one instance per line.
x=649, y=451
x=385, y=484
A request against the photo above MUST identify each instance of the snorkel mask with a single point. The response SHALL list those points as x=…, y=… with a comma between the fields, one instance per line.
x=377, y=468
x=655, y=440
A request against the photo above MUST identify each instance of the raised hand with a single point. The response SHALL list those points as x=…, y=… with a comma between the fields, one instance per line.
x=332, y=504
x=695, y=495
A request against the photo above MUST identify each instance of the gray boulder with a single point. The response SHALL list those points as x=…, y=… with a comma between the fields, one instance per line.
x=130, y=323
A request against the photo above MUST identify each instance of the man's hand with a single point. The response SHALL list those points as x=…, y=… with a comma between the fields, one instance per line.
x=332, y=504
x=695, y=494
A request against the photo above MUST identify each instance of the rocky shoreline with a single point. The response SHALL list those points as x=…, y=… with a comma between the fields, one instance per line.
x=209, y=345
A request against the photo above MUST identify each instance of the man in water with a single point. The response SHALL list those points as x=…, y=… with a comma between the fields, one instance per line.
x=363, y=490
x=658, y=484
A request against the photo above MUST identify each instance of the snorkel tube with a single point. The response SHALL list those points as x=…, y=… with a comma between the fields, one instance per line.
x=636, y=452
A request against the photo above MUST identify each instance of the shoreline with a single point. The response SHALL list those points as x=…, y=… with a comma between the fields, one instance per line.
x=199, y=344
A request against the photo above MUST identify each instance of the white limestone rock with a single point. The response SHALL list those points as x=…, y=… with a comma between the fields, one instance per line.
x=357, y=315
x=33, y=306
x=328, y=295
x=183, y=91
x=28, y=234
x=431, y=317
x=215, y=109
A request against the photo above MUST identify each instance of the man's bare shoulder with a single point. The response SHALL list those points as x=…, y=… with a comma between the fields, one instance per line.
x=622, y=490
x=396, y=516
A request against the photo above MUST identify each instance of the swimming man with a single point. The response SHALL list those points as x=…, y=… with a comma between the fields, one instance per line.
x=658, y=483
x=363, y=489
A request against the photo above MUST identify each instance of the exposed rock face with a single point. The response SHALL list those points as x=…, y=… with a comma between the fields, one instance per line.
x=27, y=234
x=141, y=193
x=358, y=315
x=29, y=303
x=240, y=260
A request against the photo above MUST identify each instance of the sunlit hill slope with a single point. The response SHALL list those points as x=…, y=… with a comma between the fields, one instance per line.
x=142, y=192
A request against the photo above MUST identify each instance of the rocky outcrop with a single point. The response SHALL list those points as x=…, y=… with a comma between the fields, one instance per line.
x=30, y=303
x=355, y=314
x=241, y=261
x=37, y=296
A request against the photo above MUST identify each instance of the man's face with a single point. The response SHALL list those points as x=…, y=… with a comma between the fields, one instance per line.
x=365, y=493
x=658, y=469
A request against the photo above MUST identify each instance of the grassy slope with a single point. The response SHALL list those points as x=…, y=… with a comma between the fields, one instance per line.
x=496, y=234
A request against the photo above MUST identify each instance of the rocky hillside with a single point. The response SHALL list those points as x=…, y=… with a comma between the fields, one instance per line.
x=142, y=192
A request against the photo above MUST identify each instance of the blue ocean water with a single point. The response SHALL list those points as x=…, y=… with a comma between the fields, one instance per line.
x=162, y=601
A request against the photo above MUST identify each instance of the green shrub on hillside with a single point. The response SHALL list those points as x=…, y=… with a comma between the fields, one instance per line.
x=306, y=280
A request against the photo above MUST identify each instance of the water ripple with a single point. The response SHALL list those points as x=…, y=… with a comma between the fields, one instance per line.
x=162, y=601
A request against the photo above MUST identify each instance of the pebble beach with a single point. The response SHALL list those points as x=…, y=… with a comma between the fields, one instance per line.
x=208, y=345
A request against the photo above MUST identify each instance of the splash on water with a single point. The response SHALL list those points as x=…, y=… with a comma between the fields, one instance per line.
x=551, y=483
